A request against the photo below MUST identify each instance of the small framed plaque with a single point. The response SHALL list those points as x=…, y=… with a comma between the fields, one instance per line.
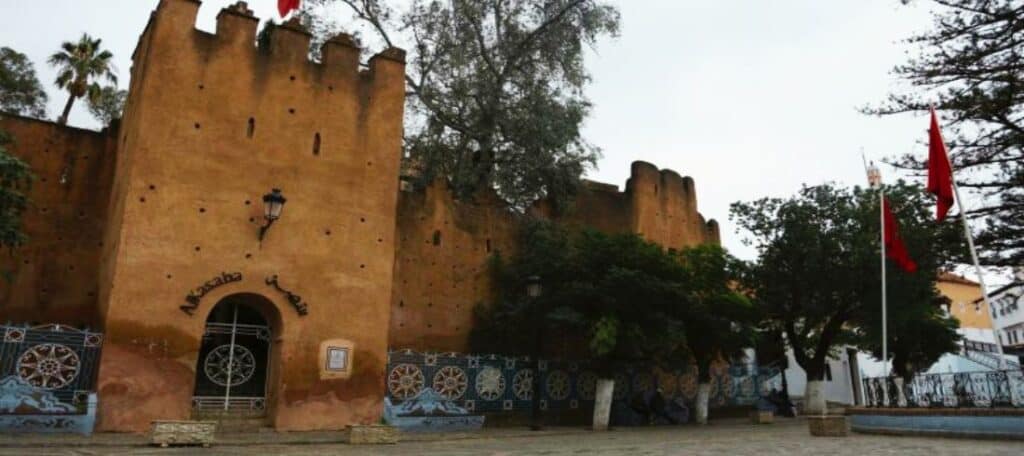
x=337, y=359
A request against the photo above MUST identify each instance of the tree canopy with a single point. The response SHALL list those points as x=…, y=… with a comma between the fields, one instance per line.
x=79, y=64
x=970, y=67
x=20, y=90
x=107, y=104
x=15, y=178
x=817, y=274
x=496, y=89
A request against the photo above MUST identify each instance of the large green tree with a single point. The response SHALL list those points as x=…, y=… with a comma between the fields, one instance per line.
x=79, y=65
x=717, y=319
x=20, y=90
x=969, y=66
x=496, y=89
x=817, y=275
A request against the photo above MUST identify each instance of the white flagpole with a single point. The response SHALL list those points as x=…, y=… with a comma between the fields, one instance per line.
x=974, y=256
x=885, y=313
x=875, y=180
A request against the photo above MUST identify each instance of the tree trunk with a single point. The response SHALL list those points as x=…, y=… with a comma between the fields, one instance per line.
x=703, y=395
x=67, y=110
x=603, y=403
x=814, y=398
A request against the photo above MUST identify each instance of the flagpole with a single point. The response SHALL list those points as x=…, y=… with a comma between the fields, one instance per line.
x=974, y=258
x=885, y=313
x=875, y=180
x=968, y=235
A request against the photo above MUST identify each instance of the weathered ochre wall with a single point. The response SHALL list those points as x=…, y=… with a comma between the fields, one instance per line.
x=438, y=284
x=186, y=207
x=441, y=266
x=962, y=294
x=53, y=276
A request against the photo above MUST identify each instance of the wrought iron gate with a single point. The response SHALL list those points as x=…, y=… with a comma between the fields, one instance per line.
x=231, y=375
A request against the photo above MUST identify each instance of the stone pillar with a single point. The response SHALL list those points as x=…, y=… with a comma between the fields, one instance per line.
x=603, y=403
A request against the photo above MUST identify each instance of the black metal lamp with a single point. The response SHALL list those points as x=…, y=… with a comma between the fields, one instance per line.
x=273, y=203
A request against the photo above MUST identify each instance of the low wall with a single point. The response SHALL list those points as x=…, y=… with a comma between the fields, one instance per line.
x=999, y=423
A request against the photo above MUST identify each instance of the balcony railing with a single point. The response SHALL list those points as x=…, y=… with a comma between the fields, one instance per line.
x=961, y=389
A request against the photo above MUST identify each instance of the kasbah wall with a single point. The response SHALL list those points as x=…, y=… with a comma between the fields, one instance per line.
x=126, y=222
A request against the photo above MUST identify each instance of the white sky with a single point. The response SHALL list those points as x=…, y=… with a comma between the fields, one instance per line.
x=750, y=98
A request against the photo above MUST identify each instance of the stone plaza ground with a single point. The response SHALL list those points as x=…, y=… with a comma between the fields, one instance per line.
x=786, y=436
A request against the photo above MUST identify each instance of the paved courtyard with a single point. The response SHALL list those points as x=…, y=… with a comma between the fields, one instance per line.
x=783, y=438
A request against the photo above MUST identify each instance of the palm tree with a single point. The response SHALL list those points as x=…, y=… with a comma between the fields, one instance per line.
x=78, y=65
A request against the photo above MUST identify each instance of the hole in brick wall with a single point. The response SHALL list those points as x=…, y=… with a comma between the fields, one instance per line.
x=152, y=187
x=380, y=239
x=655, y=189
x=43, y=179
x=430, y=304
x=60, y=238
x=169, y=276
x=202, y=209
x=201, y=87
x=196, y=125
x=370, y=163
x=26, y=261
x=316, y=144
x=81, y=213
x=327, y=232
x=71, y=268
x=252, y=219
x=247, y=202
x=488, y=247
x=292, y=77
x=401, y=303
x=330, y=88
x=248, y=255
x=100, y=243
x=85, y=157
x=430, y=325
x=401, y=325
x=90, y=294
x=437, y=237
x=362, y=266
x=251, y=128
x=362, y=219
x=197, y=248
x=43, y=210
x=142, y=199
x=291, y=110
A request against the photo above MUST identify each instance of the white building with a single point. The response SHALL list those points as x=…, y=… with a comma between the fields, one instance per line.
x=1007, y=316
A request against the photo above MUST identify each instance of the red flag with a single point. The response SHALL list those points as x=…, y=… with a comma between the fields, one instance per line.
x=894, y=247
x=284, y=6
x=940, y=176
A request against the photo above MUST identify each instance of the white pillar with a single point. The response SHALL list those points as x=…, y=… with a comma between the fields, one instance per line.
x=703, y=394
x=603, y=394
x=814, y=398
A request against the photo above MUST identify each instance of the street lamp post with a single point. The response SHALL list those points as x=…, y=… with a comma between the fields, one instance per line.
x=533, y=291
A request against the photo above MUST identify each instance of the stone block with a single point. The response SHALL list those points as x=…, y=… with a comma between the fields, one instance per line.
x=166, y=433
x=762, y=417
x=828, y=425
x=373, y=434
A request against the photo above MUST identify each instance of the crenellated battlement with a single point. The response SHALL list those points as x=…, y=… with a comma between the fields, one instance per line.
x=287, y=45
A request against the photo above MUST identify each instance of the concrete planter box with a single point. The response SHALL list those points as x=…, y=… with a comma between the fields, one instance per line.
x=827, y=425
x=166, y=433
x=373, y=434
x=762, y=417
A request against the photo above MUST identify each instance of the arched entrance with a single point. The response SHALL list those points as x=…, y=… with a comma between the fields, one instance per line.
x=234, y=359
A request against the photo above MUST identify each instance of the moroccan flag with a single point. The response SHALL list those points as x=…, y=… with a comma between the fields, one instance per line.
x=894, y=247
x=285, y=6
x=940, y=176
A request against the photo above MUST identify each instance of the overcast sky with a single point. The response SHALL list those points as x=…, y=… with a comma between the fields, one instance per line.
x=750, y=98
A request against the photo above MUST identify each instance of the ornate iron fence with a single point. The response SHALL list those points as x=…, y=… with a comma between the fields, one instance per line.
x=960, y=389
x=500, y=383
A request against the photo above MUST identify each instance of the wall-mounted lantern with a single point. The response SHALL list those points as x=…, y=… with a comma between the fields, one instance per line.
x=533, y=287
x=273, y=202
